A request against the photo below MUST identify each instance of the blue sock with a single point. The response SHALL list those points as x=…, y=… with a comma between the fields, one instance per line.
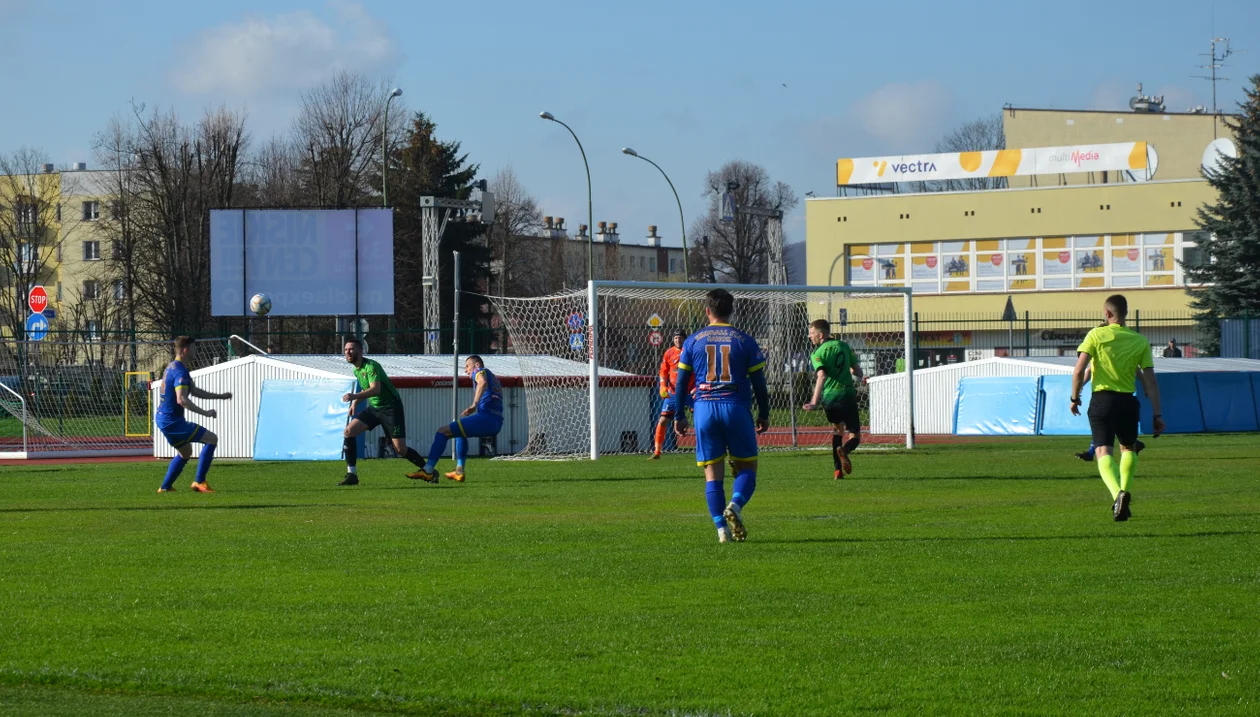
x=745, y=484
x=461, y=451
x=1090, y=452
x=203, y=463
x=173, y=470
x=436, y=450
x=715, y=496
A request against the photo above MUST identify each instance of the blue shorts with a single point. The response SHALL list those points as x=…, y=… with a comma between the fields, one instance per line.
x=723, y=429
x=180, y=432
x=478, y=425
x=669, y=405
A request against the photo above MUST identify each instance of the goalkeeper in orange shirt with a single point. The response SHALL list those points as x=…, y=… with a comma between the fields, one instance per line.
x=668, y=389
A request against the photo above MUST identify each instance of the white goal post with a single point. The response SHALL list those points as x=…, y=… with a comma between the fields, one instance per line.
x=620, y=329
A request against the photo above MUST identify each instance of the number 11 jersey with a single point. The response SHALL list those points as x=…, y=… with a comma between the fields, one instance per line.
x=721, y=357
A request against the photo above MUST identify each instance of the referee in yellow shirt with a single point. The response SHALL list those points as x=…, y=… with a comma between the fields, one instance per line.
x=1119, y=356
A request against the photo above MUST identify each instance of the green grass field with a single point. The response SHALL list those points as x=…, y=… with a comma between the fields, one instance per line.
x=960, y=579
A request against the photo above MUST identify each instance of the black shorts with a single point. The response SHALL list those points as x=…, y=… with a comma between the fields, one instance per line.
x=844, y=410
x=391, y=419
x=1113, y=415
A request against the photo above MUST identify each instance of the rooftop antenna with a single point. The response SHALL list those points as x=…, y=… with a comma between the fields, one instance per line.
x=1218, y=62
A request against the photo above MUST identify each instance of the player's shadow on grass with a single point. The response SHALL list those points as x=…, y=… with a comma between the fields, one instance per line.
x=1011, y=538
x=240, y=506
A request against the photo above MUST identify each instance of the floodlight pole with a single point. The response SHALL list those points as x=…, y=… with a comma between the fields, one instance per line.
x=396, y=92
x=681, y=221
x=590, y=214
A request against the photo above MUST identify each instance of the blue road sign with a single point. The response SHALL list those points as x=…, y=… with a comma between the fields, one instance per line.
x=36, y=327
x=575, y=322
x=50, y=313
x=577, y=341
x=728, y=207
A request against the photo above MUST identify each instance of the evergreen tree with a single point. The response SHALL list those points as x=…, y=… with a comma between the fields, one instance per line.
x=426, y=166
x=1228, y=274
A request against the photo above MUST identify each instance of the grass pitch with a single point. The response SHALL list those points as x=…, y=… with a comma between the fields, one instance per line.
x=959, y=579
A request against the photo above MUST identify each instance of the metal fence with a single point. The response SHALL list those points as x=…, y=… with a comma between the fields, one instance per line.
x=953, y=338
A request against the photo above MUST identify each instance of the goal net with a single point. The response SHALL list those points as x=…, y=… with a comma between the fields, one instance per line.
x=617, y=332
x=75, y=396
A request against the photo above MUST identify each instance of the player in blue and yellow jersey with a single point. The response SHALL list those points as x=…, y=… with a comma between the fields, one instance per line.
x=483, y=419
x=728, y=369
x=177, y=394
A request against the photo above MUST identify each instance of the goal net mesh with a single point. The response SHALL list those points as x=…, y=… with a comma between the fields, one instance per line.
x=83, y=395
x=551, y=336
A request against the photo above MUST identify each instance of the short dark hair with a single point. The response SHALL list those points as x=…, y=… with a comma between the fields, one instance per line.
x=183, y=342
x=355, y=341
x=475, y=358
x=721, y=303
x=1118, y=305
x=823, y=326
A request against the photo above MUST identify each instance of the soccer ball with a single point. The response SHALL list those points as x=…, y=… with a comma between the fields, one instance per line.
x=260, y=304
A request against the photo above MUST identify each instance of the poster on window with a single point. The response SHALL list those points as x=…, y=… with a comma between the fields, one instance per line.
x=890, y=249
x=1089, y=262
x=957, y=266
x=1056, y=263
x=925, y=267
x=990, y=265
x=890, y=268
x=1159, y=259
x=1022, y=263
x=955, y=247
x=861, y=270
x=1126, y=261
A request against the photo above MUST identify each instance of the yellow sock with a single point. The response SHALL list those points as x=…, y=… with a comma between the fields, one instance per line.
x=1107, y=469
x=1128, y=466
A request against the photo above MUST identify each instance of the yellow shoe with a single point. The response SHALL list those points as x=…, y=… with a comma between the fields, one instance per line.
x=654, y=457
x=166, y=490
x=456, y=475
x=201, y=487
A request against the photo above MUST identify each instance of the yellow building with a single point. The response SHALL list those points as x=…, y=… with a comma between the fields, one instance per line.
x=1051, y=247
x=54, y=236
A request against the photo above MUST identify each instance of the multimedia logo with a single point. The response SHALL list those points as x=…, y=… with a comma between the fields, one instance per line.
x=1076, y=156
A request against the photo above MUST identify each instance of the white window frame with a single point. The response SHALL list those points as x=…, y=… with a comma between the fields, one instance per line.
x=91, y=211
x=95, y=293
x=95, y=253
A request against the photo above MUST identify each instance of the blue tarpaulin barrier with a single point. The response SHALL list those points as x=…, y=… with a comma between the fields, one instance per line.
x=1056, y=408
x=1179, y=402
x=1227, y=401
x=997, y=406
x=302, y=420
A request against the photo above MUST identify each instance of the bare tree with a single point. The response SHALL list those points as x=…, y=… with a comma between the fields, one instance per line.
x=978, y=135
x=32, y=230
x=338, y=131
x=164, y=178
x=520, y=266
x=738, y=251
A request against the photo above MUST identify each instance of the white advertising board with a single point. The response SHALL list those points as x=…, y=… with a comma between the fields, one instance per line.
x=311, y=262
x=1120, y=156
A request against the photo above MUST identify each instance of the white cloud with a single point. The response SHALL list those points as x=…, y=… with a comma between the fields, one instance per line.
x=905, y=117
x=283, y=53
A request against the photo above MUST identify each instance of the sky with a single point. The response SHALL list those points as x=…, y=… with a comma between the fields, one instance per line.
x=692, y=84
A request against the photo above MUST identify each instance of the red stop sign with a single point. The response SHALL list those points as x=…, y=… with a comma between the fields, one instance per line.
x=38, y=300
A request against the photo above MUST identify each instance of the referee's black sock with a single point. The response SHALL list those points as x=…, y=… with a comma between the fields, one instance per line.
x=836, y=438
x=351, y=448
x=853, y=442
x=415, y=457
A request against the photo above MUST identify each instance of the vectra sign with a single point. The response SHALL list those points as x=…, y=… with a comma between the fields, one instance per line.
x=1121, y=156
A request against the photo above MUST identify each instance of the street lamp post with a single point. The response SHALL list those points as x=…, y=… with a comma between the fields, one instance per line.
x=396, y=92
x=681, y=221
x=590, y=215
